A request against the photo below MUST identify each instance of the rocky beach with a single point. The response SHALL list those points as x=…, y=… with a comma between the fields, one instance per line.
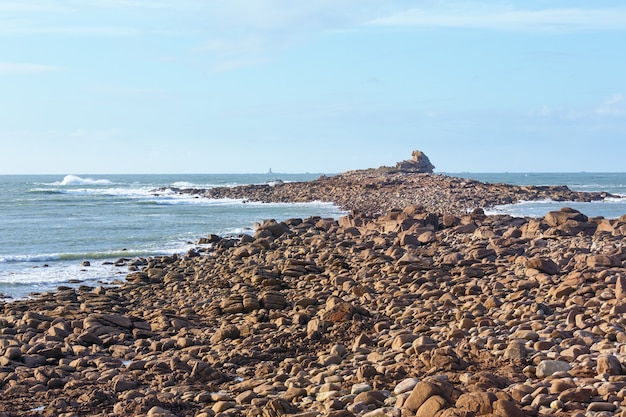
x=415, y=303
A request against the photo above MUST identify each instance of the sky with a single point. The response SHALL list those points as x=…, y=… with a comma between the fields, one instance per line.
x=323, y=86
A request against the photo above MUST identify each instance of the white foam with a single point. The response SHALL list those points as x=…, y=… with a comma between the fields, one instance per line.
x=238, y=231
x=76, y=180
x=608, y=208
x=30, y=258
x=183, y=184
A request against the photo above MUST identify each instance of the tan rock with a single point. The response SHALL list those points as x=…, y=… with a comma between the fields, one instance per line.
x=609, y=364
x=422, y=392
x=477, y=402
x=431, y=406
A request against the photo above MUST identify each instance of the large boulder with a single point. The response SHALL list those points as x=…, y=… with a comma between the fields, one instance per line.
x=419, y=163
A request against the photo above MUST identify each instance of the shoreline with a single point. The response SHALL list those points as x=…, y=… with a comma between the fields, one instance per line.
x=376, y=191
x=394, y=309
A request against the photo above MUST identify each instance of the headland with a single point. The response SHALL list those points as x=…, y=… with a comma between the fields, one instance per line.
x=416, y=303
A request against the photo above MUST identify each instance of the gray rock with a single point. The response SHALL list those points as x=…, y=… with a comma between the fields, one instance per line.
x=549, y=367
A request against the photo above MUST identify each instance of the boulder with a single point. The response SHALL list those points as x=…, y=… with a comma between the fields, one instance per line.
x=419, y=163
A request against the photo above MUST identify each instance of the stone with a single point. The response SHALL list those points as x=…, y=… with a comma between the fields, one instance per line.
x=372, y=397
x=359, y=388
x=479, y=402
x=560, y=217
x=575, y=394
x=609, y=364
x=549, y=367
x=431, y=406
x=423, y=343
x=13, y=353
x=121, y=385
x=543, y=264
x=220, y=406
x=507, y=408
x=246, y=397
x=160, y=412
x=602, y=261
x=421, y=392
x=597, y=406
x=226, y=332
x=403, y=339
x=515, y=351
x=405, y=385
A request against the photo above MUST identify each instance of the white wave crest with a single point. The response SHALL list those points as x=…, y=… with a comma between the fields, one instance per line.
x=183, y=184
x=76, y=180
x=610, y=208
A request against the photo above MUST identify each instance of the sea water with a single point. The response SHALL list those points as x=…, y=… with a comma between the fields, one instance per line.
x=50, y=225
x=610, y=208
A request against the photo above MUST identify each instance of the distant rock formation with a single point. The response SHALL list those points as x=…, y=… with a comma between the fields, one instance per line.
x=419, y=163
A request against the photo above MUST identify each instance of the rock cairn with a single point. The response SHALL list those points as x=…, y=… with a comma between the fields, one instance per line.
x=410, y=313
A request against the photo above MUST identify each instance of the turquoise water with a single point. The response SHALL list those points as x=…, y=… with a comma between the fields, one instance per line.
x=49, y=225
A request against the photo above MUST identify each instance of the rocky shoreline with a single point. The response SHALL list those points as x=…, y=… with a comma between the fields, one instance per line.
x=376, y=191
x=414, y=304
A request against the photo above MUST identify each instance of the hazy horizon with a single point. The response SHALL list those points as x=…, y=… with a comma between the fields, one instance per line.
x=101, y=174
x=241, y=86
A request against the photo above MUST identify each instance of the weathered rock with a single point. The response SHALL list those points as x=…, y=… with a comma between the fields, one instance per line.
x=422, y=391
x=609, y=364
x=543, y=264
x=549, y=367
x=419, y=163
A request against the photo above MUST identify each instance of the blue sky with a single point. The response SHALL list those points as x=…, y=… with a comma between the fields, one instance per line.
x=204, y=86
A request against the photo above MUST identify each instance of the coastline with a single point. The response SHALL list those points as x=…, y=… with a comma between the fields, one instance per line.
x=414, y=303
x=376, y=191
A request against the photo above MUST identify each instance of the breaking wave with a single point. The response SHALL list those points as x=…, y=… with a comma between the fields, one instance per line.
x=76, y=180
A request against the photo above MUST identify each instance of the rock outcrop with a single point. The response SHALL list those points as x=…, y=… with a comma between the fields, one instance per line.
x=419, y=164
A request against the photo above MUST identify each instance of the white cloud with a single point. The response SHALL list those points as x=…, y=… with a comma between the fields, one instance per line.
x=92, y=135
x=499, y=17
x=31, y=6
x=240, y=33
x=543, y=111
x=100, y=18
x=244, y=32
x=612, y=106
x=22, y=68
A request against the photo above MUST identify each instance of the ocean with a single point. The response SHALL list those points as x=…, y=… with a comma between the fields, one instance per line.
x=50, y=225
x=610, y=208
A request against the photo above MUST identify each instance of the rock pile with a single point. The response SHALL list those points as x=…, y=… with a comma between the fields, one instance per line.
x=408, y=313
x=376, y=191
